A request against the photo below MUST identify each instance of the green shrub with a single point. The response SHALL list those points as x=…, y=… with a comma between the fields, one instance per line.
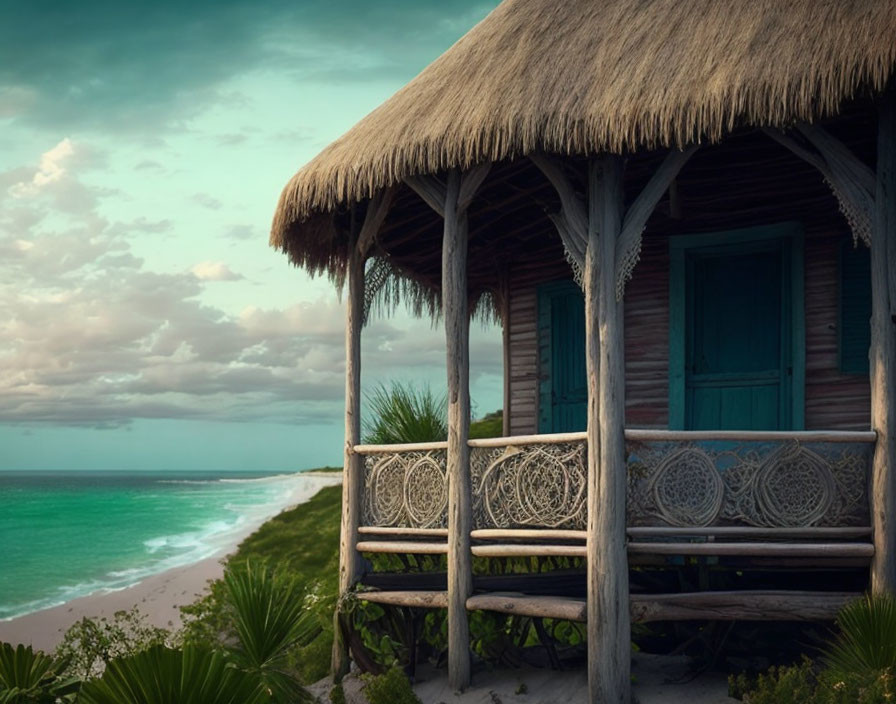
x=400, y=413
x=866, y=641
x=857, y=668
x=491, y=425
x=90, y=644
x=337, y=695
x=392, y=687
x=31, y=677
x=161, y=675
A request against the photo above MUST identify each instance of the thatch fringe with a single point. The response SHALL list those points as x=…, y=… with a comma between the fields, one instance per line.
x=581, y=77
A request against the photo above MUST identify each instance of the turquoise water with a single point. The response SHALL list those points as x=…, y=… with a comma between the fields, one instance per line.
x=68, y=534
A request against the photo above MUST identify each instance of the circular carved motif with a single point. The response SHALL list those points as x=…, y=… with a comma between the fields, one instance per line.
x=795, y=487
x=687, y=488
x=424, y=492
x=534, y=487
x=385, y=500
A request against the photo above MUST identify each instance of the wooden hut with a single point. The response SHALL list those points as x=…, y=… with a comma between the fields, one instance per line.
x=684, y=214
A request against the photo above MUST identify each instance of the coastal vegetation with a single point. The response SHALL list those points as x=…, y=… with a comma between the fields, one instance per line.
x=857, y=666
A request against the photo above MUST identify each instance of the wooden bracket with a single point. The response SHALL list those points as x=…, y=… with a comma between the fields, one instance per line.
x=852, y=181
x=642, y=208
x=377, y=209
x=572, y=220
x=434, y=192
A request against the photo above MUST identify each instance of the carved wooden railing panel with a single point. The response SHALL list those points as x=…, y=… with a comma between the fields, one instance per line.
x=530, y=485
x=770, y=482
x=405, y=488
x=681, y=479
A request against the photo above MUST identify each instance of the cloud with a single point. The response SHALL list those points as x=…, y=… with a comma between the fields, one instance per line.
x=78, y=65
x=241, y=232
x=90, y=336
x=214, y=271
x=50, y=170
x=207, y=201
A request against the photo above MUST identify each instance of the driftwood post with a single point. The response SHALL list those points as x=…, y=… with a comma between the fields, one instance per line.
x=360, y=242
x=457, y=339
x=883, y=352
x=609, y=623
x=602, y=241
x=451, y=200
x=349, y=558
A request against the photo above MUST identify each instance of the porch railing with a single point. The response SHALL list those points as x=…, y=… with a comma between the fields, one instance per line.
x=676, y=479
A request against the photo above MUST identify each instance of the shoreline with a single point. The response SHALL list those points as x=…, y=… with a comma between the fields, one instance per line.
x=158, y=596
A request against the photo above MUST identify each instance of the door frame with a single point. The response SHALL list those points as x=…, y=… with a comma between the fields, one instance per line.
x=544, y=415
x=791, y=235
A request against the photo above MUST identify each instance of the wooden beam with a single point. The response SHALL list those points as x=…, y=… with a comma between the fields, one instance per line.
x=414, y=599
x=609, y=626
x=642, y=208
x=752, y=549
x=539, y=550
x=851, y=181
x=572, y=221
x=470, y=181
x=398, y=547
x=352, y=476
x=534, y=606
x=399, y=531
x=430, y=189
x=883, y=353
x=377, y=209
x=739, y=606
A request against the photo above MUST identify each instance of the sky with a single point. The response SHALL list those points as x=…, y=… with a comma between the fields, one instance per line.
x=145, y=323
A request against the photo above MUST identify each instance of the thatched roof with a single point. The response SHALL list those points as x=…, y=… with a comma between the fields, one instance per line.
x=582, y=76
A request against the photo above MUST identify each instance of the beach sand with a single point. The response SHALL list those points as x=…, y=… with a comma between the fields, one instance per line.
x=158, y=596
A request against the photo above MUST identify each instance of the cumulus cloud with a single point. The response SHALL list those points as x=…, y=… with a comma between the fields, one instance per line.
x=214, y=271
x=89, y=335
x=50, y=170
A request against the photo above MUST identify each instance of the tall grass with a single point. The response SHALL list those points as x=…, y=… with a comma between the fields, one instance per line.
x=400, y=413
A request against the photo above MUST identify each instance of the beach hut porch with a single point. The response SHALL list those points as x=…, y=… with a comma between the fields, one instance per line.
x=708, y=461
x=658, y=411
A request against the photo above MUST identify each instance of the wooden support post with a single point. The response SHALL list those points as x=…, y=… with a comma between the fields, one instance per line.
x=883, y=352
x=349, y=557
x=451, y=200
x=609, y=622
x=504, y=302
x=457, y=338
x=360, y=240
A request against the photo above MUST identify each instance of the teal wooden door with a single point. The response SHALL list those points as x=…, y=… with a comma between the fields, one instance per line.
x=563, y=390
x=738, y=361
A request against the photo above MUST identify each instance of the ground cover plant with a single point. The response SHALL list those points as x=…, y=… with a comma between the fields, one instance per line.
x=856, y=666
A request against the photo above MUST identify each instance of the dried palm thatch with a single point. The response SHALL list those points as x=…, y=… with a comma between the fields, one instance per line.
x=583, y=76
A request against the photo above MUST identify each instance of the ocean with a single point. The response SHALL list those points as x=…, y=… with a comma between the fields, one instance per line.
x=68, y=534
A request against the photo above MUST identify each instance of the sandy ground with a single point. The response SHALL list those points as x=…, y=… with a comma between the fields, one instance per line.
x=158, y=596
x=658, y=679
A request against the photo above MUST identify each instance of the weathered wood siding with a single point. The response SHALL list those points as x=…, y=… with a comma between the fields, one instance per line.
x=834, y=401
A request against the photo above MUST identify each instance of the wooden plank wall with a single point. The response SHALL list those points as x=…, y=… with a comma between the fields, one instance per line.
x=834, y=401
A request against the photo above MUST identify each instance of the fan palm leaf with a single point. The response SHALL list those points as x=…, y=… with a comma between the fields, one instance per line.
x=161, y=675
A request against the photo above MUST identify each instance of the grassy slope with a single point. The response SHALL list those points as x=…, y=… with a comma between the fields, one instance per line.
x=305, y=541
